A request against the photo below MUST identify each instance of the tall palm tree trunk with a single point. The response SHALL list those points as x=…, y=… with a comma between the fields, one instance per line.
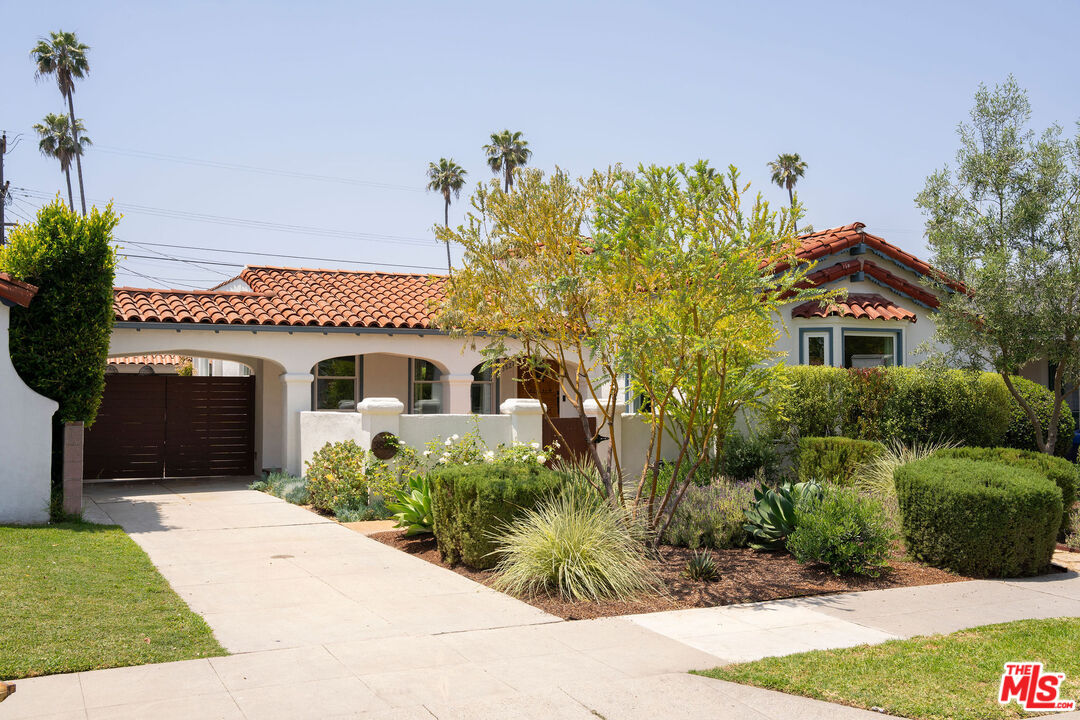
x=446, y=221
x=509, y=182
x=791, y=204
x=71, y=198
x=78, y=154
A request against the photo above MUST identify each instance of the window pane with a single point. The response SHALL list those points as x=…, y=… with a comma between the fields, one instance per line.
x=815, y=351
x=336, y=395
x=425, y=371
x=481, y=374
x=862, y=351
x=427, y=398
x=481, y=398
x=338, y=367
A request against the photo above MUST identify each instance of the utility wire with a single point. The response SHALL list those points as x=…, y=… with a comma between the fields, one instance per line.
x=244, y=222
x=251, y=168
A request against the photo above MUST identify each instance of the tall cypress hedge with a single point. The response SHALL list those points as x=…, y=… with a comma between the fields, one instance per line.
x=60, y=344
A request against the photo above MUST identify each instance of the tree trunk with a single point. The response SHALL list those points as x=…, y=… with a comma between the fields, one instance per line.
x=509, y=182
x=1040, y=443
x=71, y=198
x=791, y=204
x=446, y=220
x=78, y=152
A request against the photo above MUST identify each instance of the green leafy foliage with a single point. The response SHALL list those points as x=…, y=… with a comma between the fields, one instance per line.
x=472, y=502
x=745, y=456
x=909, y=406
x=412, y=507
x=573, y=546
x=1021, y=433
x=335, y=475
x=843, y=530
x=60, y=344
x=1072, y=538
x=978, y=518
x=835, y=459
x=702, y=567
x=771, y=518
x=711, y=516
x=1060, y=471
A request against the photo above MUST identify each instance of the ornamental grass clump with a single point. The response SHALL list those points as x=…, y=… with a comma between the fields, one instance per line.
x=875, y=476
x=576, y=548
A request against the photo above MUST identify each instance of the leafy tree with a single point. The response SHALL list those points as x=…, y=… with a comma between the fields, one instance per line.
x=1006, y=223
x=694, y=276
x=786, y=169
x=446, y=177
x=60, y=344
x=57, y=141
x=64, y=56
x=680, y=287
x=507, y=151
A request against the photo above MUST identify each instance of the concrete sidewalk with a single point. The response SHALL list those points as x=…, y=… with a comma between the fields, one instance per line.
x=325, y=623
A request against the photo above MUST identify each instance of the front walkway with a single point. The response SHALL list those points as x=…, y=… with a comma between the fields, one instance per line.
x=326, y=623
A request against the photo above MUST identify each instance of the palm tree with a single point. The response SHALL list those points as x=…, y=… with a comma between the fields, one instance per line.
x=508, y=150
x=446, y=177
x=56, y=141
x=64, y=56
x=787, y=168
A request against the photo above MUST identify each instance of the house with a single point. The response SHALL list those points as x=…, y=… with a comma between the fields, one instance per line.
x=317, y=343
x=25, y=426
x=145, y=364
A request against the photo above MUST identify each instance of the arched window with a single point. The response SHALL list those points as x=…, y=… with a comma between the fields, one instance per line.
x=426, y=394
x=146, y=370
x=485, y=391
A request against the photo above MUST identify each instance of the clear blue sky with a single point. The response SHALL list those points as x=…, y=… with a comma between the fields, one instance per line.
x=869, y=93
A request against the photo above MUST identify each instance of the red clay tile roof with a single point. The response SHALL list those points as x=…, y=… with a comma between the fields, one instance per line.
x=293, y=297
x=148, y=360
x=828, y=242
x=16, y=291
x=856, y=305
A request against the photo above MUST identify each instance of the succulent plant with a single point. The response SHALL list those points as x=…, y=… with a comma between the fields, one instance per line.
x=412, y=507
x=701, y=567
x=771, y=517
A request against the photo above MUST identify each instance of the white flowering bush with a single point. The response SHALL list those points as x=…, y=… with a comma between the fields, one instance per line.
x=470, y=449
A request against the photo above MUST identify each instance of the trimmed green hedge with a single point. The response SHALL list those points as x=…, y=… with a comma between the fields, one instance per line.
x=1063, y=473
x=834, y=459
x=978, y=518
x=471, y=502
x=911, y=405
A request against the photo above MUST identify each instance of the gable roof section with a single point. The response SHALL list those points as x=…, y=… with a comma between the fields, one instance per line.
x=293, y=297
x=16, y=292
x=856, y=305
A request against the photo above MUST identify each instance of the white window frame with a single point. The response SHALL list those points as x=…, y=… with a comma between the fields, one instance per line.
x=804, y=338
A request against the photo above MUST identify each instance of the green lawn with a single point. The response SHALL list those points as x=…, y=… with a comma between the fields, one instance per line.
x=941, y=676
x=77, y=596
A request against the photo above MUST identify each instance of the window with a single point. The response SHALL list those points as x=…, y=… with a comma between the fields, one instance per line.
x=816, y=347
x=870, y=349
x=484, y=390
x=337, y=382
x=426, y=388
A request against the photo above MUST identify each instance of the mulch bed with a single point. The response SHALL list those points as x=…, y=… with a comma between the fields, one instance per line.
x=745, y=576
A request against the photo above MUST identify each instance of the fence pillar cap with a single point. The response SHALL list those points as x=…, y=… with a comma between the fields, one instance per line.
x=594, y=408
x=381, y=406
x=521, y=406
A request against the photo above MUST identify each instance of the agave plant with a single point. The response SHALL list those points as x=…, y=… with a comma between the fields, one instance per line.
x=701, y=567
x=771, y=517
x=412, y=507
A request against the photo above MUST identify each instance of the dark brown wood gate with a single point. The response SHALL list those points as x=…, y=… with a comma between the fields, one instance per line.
x=171, y=426
x=573, y=444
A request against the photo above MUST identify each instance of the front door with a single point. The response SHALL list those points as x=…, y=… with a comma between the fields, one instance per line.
x=540, y=382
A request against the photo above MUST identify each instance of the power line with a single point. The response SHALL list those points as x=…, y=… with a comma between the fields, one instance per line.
x=251, y=168
x=281, y=255
x=244, y=222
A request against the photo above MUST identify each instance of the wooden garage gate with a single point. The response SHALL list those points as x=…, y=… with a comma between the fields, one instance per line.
x=154, y=426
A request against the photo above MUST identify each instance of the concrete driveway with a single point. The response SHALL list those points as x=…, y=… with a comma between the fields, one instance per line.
x=326, y=623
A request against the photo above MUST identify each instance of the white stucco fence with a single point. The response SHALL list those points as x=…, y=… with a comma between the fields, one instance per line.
x=25, y=443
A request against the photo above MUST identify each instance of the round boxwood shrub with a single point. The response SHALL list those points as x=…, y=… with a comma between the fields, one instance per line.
x=834, y=459
x=1060, y=471
x=978, y=518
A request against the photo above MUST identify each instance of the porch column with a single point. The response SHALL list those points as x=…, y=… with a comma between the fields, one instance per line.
x=459, y=394
x=296, y=398
x=526, y=420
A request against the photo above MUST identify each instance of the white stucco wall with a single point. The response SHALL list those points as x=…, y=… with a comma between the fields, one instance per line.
x=387, y=376
x=417, y=430
x=25, y=442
